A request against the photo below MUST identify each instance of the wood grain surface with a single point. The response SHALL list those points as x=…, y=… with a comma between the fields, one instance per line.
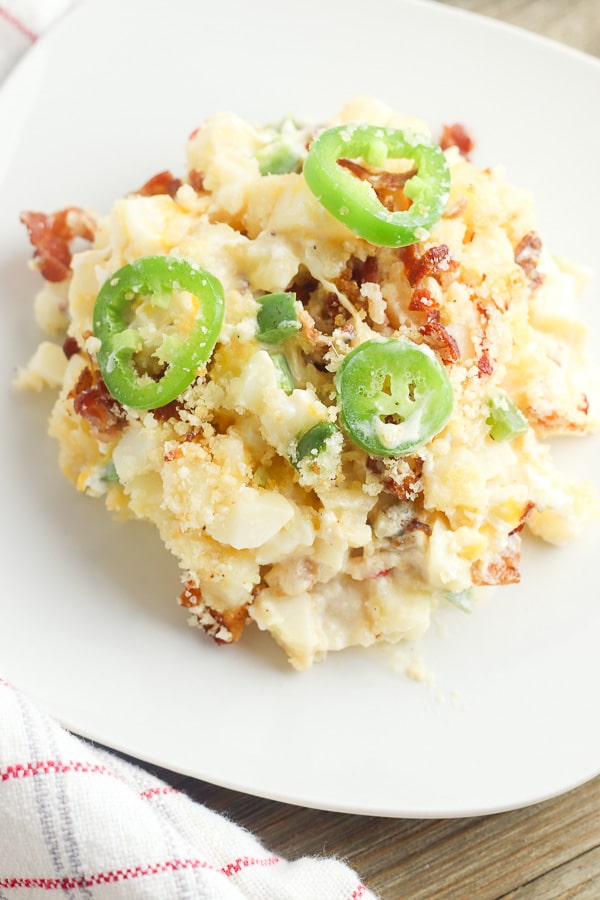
x=572, y=22
x=550, y=851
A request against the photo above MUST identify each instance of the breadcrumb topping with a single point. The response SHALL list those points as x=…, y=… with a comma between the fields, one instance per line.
x=340, y=548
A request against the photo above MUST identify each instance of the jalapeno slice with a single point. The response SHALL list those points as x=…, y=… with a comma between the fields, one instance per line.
x=394, y=395
x=147, y=375
x=355, y=202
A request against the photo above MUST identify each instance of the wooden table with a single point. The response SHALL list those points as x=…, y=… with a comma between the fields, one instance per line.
x=546, y=852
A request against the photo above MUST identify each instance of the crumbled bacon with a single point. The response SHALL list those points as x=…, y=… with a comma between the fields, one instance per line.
x=70, y=347
x=310, y=331
x=196, y=180
x=434, y=333
x=51, y=236
x=404, y=485
x=224, y=627
x=162, y=183
x=168, y=411
x=190, y=596
x=355, y=273
x=527, y=255
x=432, y=263
x=92, y=401
x=504, y=568
x=456, y=135
x=370, y=270
x=422, y=301
x=441, y=341
x=484, y=364
x=389, y=186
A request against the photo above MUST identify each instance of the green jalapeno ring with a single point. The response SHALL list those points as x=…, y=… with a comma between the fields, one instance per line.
x=355, y=202
x=393, y=395
x=158, y=277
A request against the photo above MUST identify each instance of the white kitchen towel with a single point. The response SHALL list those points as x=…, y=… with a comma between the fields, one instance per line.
x=21, y=23
x=78, y=822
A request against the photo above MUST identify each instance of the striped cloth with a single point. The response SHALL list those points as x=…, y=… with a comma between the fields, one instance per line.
x=80, y=823
x=21, y=23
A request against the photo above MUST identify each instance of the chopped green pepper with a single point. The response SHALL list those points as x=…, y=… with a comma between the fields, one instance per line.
x=286, y=378
x=393, y=395
x=276, y=318
x=109, y=473
x=284, y=152
x=314, y=441
x=506, y=420
x=277, y=158
x=155, y=279
x=464, y=600
x=355, y=203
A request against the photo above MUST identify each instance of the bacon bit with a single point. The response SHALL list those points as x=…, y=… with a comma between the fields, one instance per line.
x=527, y=509
x=389, y=186
x=196, y=180
x=233, y=621
x=407, y=487
x=51, y=235
x=162, y=183
x=403, y=490
x=70, y=347
x=527, y=255
x=168, y=411
x=435, y=261
x=484, y=364
x=434, y=333
x=504, y=569
x=332, y=302
x=441, y=341
x=584, y=406
x=310, y=330
x=370, y=271
x=211, y=620
x=422, y=301
x=354, y=275
x=92, y=401
x=456, y=135
x=190, y=596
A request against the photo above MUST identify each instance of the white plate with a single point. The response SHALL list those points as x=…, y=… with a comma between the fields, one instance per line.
x=89, y=626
